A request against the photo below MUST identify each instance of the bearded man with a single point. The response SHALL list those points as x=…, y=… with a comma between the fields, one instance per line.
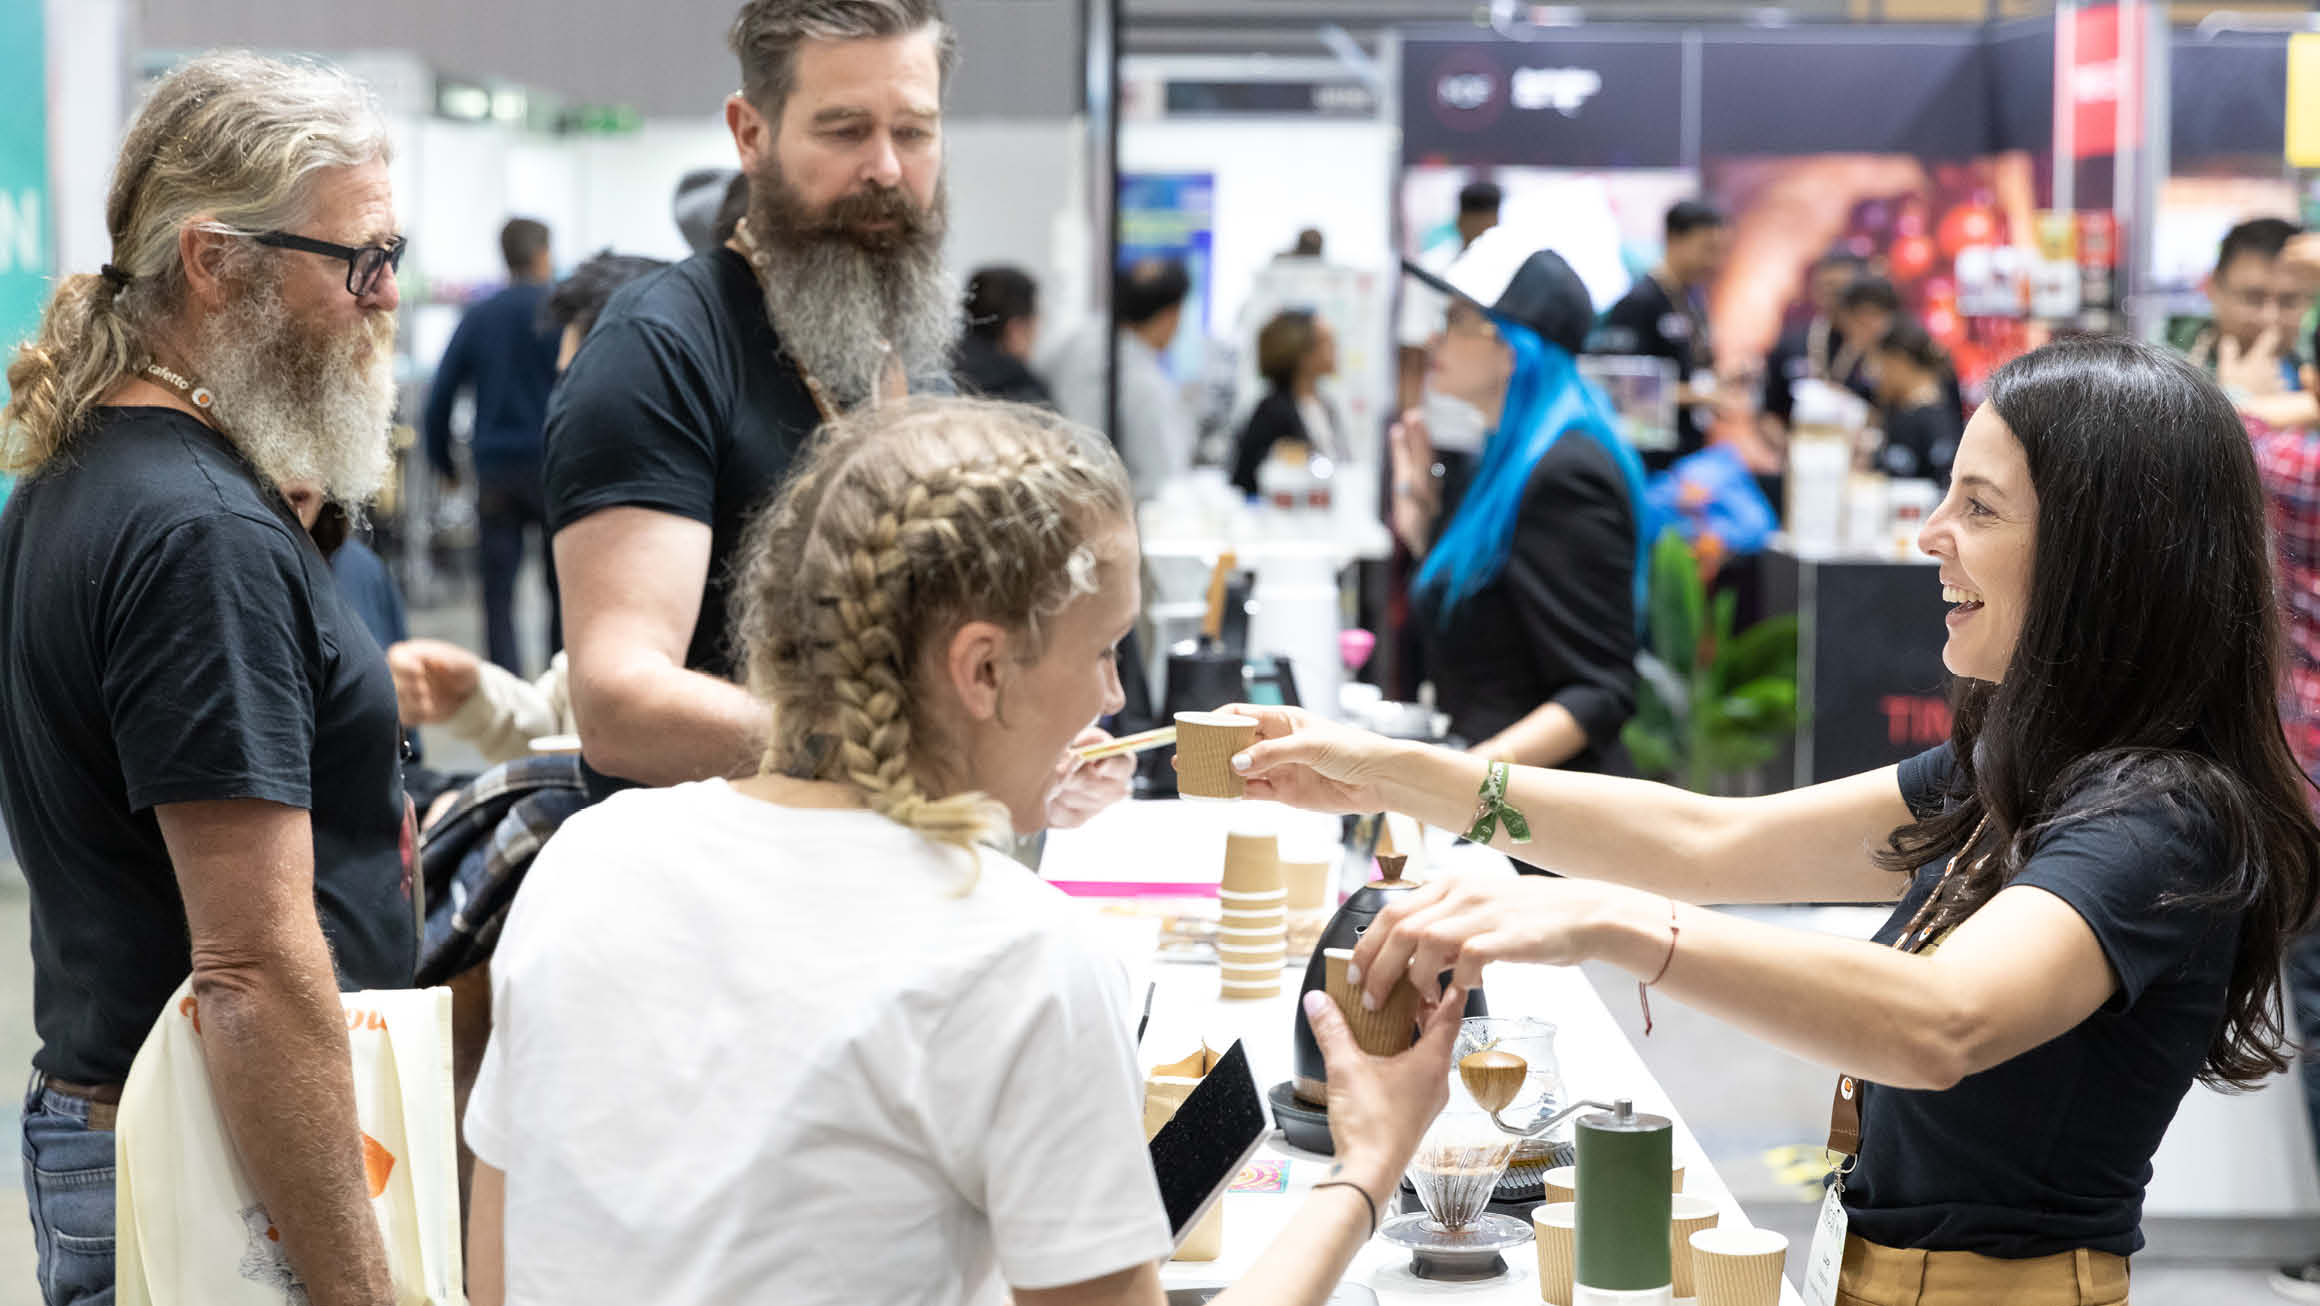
x=199, y=757
x=682, y=412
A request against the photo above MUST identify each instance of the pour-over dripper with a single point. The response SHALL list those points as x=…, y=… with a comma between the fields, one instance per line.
x=1458, y=1165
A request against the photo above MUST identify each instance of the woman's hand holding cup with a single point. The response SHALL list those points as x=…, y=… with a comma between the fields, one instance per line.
x=1306, y=761
x=1379, y=1107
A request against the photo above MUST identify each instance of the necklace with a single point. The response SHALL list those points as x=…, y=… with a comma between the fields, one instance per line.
x=194, y=391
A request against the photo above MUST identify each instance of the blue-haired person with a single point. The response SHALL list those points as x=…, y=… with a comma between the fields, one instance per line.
x=1529, y=588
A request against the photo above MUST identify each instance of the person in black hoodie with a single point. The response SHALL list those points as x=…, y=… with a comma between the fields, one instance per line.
x=1294, y=351
x=1002, y=321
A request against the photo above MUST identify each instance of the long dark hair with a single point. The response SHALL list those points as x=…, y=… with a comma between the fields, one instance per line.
x=2147, y=669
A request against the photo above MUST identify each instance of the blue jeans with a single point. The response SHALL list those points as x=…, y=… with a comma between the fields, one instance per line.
x=68, y=1186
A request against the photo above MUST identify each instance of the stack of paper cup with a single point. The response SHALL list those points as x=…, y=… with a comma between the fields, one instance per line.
x=1251, y=936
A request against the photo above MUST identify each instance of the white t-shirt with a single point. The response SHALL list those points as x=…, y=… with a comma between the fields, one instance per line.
x=747, y=1053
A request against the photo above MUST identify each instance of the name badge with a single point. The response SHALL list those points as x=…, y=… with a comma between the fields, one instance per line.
x=1821, y=1269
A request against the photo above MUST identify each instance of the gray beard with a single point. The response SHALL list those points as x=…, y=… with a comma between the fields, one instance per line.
x=833, y=302
x=299, y=408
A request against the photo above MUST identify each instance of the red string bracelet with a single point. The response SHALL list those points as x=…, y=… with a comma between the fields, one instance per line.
x=1643, y=987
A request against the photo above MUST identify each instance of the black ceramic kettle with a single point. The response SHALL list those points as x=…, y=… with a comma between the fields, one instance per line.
x=1345, y=930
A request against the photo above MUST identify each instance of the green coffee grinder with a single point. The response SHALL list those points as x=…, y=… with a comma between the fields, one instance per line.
x=1620, y=1256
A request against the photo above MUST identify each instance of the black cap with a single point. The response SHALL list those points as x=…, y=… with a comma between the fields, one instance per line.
x=1543, y=294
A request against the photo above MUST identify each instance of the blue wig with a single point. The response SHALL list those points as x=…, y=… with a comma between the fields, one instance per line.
x=1545, y=398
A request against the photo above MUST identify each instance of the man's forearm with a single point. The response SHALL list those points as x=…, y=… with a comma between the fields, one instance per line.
x=1548, y=736
x=665, y=725
x=274, y=1037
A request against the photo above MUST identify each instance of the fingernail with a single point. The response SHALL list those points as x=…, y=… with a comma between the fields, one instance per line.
x=1316, y=1002
x=1352, y=973
x=1369, y=1001
x=1240, y=762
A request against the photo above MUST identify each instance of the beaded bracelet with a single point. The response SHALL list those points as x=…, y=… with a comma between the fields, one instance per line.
x=1494, y=808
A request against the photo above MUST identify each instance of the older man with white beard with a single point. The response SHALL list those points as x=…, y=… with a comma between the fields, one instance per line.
x=198, y=746
x=680, y=415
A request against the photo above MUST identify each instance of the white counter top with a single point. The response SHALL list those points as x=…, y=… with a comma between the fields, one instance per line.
x=1596, y=1059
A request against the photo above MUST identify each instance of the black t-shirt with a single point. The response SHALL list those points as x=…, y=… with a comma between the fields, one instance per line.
x=1921, y=442
x=169, y=634
x=1650, y=322
x=1557, y=624
x=682, y=401
x=2051, y=1150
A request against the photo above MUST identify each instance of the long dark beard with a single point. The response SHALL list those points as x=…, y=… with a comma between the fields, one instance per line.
x=302, y=407
x=836, y=290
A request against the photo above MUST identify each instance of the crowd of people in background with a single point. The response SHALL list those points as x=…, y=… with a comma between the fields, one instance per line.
x=839, y=570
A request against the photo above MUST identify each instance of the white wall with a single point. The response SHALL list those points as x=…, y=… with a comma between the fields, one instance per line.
x=1273, y=178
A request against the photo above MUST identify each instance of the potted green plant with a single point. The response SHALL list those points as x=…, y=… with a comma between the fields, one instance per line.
x=1712, y=706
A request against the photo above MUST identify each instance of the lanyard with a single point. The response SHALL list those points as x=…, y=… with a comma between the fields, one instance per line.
x=1845, y=1105
x=745, y=244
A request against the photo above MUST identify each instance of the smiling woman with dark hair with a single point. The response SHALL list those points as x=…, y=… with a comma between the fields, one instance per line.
x=2093, y=881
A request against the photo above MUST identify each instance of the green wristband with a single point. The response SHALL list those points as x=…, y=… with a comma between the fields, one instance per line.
x=1494, y=808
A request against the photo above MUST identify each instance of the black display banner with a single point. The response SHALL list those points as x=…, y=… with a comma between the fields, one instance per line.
x=1923, y=92
x=1870, y=679
x=2230, y=96
x=1561, y=103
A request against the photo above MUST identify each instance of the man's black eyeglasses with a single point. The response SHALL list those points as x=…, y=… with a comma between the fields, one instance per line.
x=364, y=264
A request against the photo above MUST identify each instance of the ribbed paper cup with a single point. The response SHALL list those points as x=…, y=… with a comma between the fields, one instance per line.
x=1244, y=958
x=1686, y=1217
x=1307, y=883
x=1563, y=1183
x=1252, y=925
x=1676, y=1179
x=1246, y=990
x=1391, y=1028
x=1252, y=865
x=1205, y=744
x=1262, y=900
x=1738, y=1266
x=1553, y=1223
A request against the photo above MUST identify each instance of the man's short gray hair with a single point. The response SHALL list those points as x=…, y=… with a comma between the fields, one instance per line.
x=766, y=35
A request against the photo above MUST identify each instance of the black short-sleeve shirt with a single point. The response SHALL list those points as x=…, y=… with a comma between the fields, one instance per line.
x=682, y=401
x=1650, y=322
x=1557, y=624
x=2052, y=1150
x=1921, y=441
x=169, y=634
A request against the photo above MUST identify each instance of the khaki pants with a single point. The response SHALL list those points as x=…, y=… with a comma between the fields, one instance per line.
x=1886, y=1276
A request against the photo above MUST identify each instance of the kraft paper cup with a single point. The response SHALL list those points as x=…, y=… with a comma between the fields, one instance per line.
x=1262, y=900
x=1254, y=956
x=1554, y=1223
x=1562, y=1183
x=1676, y=1179
x=1249, y=990
x=1252, y=865
x=1252, y=925
x=1738, y=1266
x=1687, y=1216
x=1205, y=744
x=1392, y=1028
x=1307, y=884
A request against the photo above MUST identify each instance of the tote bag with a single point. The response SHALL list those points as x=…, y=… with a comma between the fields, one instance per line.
x=190, y=1228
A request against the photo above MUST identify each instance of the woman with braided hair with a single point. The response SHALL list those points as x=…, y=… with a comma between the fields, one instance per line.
x=806, y=1037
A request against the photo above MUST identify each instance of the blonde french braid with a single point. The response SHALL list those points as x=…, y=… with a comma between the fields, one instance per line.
x=902, y=524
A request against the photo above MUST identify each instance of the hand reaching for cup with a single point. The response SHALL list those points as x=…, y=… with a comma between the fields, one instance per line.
x=1306, y=761
x=1379, y=1107
x=1082, y=789
x=1463, y=923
